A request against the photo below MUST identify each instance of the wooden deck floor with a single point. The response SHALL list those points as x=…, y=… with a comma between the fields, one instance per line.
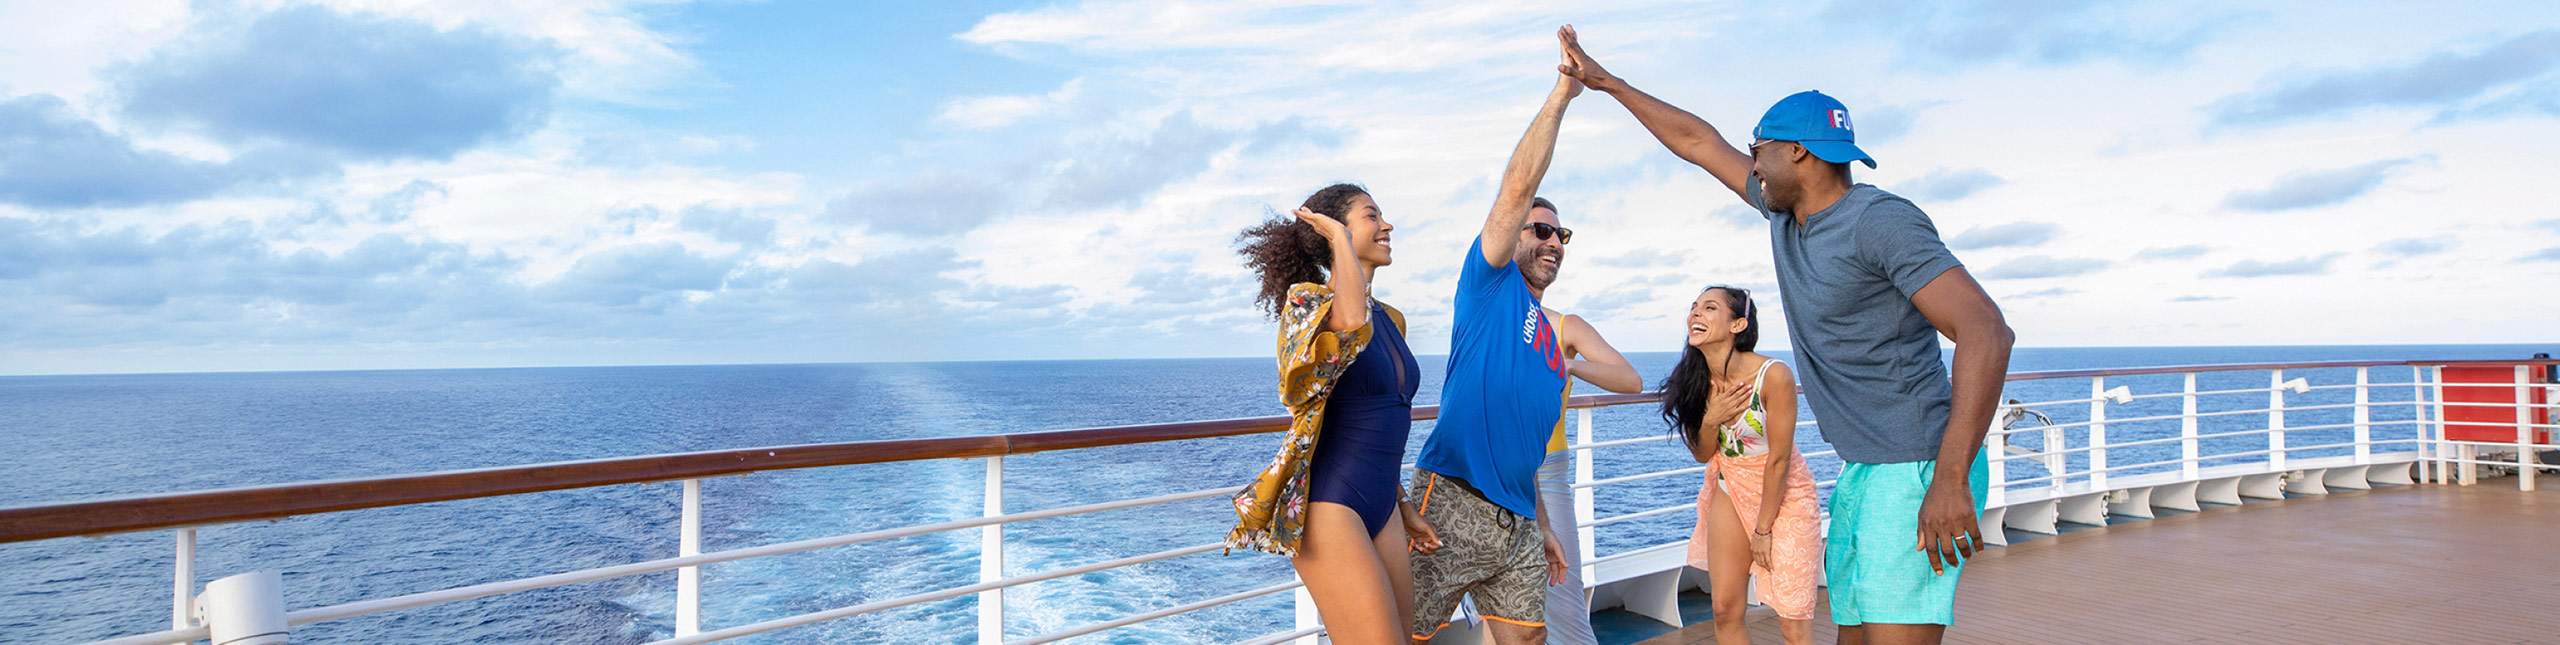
x=2425, y=564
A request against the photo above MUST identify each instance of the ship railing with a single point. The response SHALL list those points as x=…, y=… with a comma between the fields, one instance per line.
x=2066, y=476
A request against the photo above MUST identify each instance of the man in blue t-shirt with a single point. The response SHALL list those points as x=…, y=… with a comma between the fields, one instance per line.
x=1868, y=288
x=1477, y=491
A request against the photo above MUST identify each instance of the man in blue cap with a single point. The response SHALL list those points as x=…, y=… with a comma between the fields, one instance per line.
x=1868, y=288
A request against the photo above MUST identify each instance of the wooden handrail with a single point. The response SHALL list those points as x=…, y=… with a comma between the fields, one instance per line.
x=2243, y=367
x=222, y=506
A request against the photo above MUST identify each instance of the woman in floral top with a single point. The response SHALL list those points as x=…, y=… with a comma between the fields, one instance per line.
x=1757, y=519
x=1348, y=379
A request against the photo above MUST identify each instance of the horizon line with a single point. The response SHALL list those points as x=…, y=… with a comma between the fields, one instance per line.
x=4, y=374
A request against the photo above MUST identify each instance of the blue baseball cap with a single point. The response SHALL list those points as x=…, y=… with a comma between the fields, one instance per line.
x=1817, y=122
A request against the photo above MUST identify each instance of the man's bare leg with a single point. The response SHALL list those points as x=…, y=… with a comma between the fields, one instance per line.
x=1510, y=634
x=1892, y=634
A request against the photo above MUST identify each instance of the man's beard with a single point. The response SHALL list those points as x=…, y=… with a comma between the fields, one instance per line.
x=1534, y=268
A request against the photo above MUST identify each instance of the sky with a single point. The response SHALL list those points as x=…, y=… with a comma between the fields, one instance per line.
x=354, y=184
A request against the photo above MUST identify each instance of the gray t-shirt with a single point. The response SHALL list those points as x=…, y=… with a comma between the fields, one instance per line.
x=1867, y=359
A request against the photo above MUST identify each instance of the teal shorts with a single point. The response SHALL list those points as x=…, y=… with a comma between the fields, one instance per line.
x=1872, y=557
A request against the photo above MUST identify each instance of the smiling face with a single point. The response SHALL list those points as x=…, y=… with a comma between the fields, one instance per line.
x=1369, y=231
x=1776, y=163
x=1714, y=319
x=1539, y=259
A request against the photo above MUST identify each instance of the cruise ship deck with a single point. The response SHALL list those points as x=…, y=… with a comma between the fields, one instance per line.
x=2428, y=563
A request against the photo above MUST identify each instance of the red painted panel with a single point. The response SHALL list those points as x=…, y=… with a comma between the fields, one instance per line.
x=2501, y=420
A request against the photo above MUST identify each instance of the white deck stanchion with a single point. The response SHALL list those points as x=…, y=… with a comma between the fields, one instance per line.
x=182, y=609
x=689, y=543
x=246, y=609
x=991, y=558
x=2524, y=430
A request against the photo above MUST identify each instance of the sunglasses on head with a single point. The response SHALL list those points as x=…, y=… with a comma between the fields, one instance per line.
x=1739, y=293
x=1546, y=231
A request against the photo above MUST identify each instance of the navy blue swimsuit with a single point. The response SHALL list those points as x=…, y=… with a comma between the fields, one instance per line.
x=1360, y=451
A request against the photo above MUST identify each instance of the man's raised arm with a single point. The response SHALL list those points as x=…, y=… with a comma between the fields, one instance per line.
x=1685, y=134
x=1520, y=179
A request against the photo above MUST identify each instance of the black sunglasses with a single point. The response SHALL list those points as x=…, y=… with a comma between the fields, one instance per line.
x=1545, y=230
x=1756, y=146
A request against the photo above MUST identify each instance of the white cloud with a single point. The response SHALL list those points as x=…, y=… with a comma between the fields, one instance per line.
x=2445, y=79
x=2313, y=265
x=1108, y=204
x=2017, y=234
x=611, y=54
x=56, y=47
x=2040, y=266
x=1949, y=185
x=2318, y=188
x=2180, y=252
x=989, y=112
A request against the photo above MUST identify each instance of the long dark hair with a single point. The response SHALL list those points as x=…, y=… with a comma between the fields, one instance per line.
x=1692, y=382
x=1284, y=251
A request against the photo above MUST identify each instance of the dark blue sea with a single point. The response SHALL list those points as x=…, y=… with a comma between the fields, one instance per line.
x=87, y=437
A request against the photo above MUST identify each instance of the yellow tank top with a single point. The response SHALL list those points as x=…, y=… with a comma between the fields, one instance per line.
x=1555, y=444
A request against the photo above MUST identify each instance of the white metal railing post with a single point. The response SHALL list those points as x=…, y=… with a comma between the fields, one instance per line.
x=2364, y=417
x=2098, y=433
x=182, y=609
x=1995, y=443
x=991, y=557
x=689, y=579
x=1307, y=618
x=1584, y=513
x=2054, y=466
x=2464, y=472
x=2524, y=430
x=2418, y=422
x=2187, y=452
x=2444, y=451
x=245, y=609
x=2275, y=421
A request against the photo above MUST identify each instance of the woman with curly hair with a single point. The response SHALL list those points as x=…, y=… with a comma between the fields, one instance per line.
x=1347, y=378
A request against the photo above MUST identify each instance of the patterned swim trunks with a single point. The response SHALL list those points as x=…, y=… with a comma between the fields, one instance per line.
x=1494, y=554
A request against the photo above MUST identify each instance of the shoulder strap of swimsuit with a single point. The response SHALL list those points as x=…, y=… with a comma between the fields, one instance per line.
x=1761, y=378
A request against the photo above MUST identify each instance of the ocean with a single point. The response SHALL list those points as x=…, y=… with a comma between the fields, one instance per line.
x=88, y=437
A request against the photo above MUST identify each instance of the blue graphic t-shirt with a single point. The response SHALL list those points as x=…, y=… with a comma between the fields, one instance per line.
x=1498, y=404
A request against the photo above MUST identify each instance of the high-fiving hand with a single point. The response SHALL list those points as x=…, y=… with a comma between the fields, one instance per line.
x=1578, y=65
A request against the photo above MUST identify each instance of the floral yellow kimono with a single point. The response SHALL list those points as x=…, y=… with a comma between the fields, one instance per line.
x=1271, y=512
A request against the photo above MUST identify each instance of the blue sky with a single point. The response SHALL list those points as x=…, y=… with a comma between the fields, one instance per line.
x=370, y=184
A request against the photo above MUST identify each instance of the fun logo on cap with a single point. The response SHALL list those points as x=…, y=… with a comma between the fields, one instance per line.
x=1819, y=122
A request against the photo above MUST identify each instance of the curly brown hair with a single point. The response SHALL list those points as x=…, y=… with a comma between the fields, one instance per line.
x=1283, y=252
